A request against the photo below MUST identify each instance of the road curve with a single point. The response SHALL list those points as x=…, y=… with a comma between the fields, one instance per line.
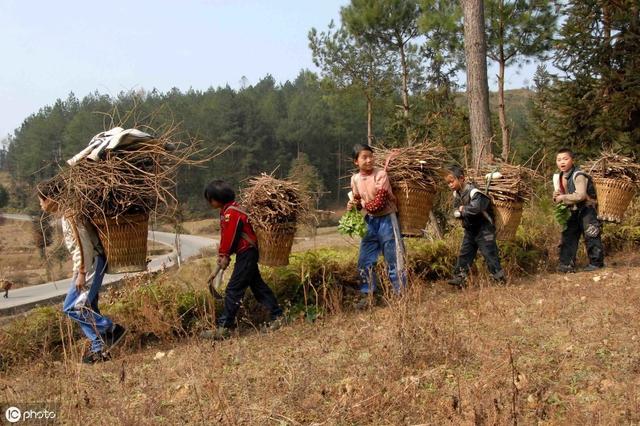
x=22, y=299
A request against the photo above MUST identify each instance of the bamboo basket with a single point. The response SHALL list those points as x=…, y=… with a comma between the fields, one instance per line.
x=614, y=196
x=124, y=239
x=274, y=242
x=508, y=215
x=414, y=206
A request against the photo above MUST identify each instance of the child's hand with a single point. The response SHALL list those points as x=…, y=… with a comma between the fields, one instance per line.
x=351, y=204
x=81, y=281
x=223, y=261
x=461, y=209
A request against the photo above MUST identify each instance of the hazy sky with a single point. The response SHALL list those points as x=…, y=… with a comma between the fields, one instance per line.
x=51, y=48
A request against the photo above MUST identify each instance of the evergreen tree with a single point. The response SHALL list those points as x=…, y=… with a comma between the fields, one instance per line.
x=595, y=104
x=392, y=25
x=352, y=63
x=516, y=30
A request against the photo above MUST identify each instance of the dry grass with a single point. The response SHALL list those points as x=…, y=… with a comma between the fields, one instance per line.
x=21, y=262
x=547, y=349
x=550, y=349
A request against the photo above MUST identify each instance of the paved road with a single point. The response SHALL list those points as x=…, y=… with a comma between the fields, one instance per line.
x=22, y=299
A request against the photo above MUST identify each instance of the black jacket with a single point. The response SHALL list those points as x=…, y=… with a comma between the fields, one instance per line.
x=478, y=209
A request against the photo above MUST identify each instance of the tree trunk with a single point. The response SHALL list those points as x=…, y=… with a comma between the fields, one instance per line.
x=477, y=84
x=369, y=121
x=405, y=83
x=506, y=135
x=405, y=91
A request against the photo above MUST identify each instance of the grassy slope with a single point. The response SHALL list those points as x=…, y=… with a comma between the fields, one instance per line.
x=553, y=349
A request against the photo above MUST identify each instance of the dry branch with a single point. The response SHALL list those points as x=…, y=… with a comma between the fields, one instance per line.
x=420, y=164
x=269, y=201
x=508, y=182
x=615, y=166
x=140, y=178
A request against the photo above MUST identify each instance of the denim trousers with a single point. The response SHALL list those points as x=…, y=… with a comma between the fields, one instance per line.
x=379, y=239
x=93, y=324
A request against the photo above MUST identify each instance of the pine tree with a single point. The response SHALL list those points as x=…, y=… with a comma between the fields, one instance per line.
x=596, y=102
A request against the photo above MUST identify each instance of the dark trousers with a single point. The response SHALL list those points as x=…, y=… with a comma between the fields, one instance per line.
x=483, y=238
x=246, y=274
x=583, y=221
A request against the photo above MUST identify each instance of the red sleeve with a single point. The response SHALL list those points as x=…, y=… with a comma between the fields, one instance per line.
x=229, y=223
x=379, y=202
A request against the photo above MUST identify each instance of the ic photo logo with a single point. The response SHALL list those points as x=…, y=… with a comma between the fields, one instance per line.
x=30, y=414
x=13, y=414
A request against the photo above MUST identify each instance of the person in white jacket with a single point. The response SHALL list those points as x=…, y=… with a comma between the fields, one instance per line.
x=89, y=266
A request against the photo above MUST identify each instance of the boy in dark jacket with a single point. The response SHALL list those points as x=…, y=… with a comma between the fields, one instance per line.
x=237, y=236
x=575, y=189
x=475, y=211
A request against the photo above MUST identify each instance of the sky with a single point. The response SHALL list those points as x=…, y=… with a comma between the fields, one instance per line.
x=52, y=48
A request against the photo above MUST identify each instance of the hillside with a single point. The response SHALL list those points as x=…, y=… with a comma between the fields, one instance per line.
x=548, y=349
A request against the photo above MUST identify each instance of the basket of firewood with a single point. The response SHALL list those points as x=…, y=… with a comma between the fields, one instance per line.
x=415, y=174
x=616, y=179
x=275, y=208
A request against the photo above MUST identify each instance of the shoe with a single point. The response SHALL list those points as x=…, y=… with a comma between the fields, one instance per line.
x=276, y=323
x=500, y=277
x=114, y=336
x=564, y=269
x=458, y=280
x=590, y=268
x=220, y=333
x=96, y=357
x=365, y=302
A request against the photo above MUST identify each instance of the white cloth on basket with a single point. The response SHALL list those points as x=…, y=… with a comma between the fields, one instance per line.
x=109, y=140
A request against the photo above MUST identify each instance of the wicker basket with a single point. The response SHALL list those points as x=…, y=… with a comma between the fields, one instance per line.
x=414, y=205
x=508, y=215
x=124, y=239
x=275, y=243
x=614, y=196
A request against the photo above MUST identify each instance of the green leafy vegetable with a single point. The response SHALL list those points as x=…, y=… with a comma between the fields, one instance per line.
x=562, y=214
x=352, y=223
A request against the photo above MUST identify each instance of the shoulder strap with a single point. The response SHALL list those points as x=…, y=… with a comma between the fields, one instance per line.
x=475, y=191
x=580, y=173
x=239, y=210
x=244, y=235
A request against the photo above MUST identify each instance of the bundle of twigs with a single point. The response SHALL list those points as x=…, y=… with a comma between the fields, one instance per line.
x=420, y=164
x=614, y=166
x=140, y=178
x=505, y=182
x=269, y=201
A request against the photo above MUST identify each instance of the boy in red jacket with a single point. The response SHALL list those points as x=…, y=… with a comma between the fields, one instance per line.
x=237, y=236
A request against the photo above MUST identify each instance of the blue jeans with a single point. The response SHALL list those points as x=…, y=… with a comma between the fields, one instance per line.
x=93, y=324
x=379, y=239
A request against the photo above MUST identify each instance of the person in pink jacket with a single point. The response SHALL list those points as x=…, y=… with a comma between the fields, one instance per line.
x=372, y=192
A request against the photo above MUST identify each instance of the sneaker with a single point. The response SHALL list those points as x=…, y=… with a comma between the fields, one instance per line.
x=96, y=357
x=564, y=269
x=220, y=333
x=591, y=267
x=114, y=336
x=457, y=280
